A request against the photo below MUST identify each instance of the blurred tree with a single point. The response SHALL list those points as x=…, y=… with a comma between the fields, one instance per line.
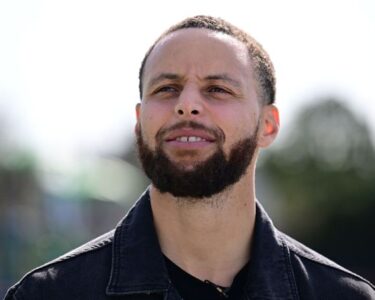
x=20, y=218
x=45, y=212
x=324, y=175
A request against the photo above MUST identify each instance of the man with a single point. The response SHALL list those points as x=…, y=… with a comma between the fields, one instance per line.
x=207, y=93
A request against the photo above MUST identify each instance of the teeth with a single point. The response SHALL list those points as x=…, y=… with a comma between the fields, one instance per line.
x=190, y=139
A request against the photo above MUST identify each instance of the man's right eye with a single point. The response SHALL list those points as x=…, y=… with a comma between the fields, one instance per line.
x=166, y=89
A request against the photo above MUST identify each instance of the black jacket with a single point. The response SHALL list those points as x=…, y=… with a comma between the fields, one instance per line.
x=127, y=263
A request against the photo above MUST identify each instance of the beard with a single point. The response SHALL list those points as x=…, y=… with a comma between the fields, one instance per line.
x=208, y=177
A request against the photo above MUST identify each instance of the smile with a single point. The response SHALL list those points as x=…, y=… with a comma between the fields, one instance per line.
x=189, y=135
x=190, y=139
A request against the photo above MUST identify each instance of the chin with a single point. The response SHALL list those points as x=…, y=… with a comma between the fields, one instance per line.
x=186, y=166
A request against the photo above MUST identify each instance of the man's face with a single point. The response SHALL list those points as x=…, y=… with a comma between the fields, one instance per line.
x=198, y=120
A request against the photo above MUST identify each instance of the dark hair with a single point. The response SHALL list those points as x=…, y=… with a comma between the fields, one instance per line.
x=263, y=67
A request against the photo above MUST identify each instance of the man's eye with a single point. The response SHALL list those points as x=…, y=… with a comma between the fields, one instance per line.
x=216, y=89
x=166, y=89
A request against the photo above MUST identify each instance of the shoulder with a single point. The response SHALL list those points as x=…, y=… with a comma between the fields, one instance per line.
x=88, y=264
x=318, y=275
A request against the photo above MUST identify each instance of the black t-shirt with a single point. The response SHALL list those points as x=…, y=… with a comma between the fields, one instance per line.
x=191, y=288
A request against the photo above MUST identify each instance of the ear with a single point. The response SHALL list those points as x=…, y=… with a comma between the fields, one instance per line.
x=269, y=127
x=137, y=115
x=138, y=111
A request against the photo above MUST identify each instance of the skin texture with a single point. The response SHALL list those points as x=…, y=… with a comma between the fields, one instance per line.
x=201, y=76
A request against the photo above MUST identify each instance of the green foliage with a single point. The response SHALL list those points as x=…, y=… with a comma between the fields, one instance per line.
x=324, y=175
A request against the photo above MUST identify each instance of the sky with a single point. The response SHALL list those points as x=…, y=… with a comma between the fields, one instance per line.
x=69, y=69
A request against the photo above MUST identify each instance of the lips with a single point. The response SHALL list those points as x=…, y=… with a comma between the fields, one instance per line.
x=190, y=139
x=189, y=136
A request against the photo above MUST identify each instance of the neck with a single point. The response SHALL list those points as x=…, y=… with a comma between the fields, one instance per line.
x=209, y=238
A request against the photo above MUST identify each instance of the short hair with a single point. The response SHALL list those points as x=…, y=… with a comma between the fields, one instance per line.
x=261, y=63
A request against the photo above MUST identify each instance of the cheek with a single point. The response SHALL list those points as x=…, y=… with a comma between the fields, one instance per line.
x=152, y=118
x=237, y=124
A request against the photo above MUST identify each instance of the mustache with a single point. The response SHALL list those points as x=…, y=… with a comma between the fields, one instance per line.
x=217, y=133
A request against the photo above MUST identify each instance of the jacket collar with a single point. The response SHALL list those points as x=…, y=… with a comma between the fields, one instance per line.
x=138, y=264
x=270, y=270
x=137, y=261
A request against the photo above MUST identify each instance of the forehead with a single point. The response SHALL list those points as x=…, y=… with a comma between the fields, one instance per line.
x=200, y=51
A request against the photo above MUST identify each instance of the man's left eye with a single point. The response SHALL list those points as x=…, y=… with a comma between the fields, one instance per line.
x=217, y=89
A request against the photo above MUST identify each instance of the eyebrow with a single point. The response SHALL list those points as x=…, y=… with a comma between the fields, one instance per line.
x=224, y=77
x=163, y=76
x=173, y=76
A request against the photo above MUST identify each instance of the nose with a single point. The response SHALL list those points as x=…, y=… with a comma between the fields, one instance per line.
x=189, y=102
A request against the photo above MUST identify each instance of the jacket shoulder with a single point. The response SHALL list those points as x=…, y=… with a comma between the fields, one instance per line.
x=318, y=275
x=93, y=257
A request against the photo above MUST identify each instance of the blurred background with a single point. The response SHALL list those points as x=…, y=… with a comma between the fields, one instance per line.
x=68, y=87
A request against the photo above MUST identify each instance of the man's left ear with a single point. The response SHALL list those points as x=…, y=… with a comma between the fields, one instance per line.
x=269, y=125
